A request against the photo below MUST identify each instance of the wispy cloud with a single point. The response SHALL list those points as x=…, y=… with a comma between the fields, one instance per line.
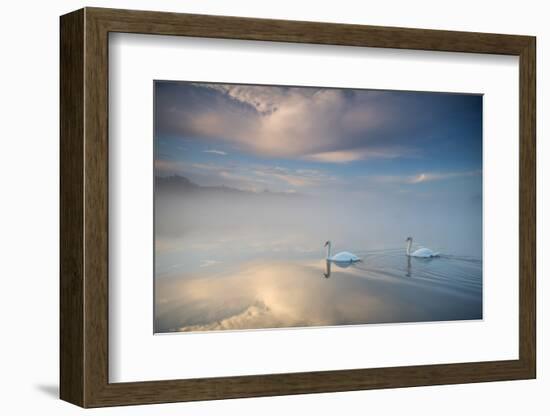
x=216, y=152
x=208, y=263
x=345, y=156
x=294, y=177
x=437, y=176
x=254, y=177
x=422, y=177
x=168, y=166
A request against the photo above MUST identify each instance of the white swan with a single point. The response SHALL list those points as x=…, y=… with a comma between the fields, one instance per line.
x=341, y=257
x=421, y=252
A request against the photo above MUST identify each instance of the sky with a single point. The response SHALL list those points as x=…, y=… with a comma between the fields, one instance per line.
x=366, y=168
x=310, y=140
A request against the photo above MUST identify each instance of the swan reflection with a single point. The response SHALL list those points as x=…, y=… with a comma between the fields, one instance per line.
x=327, y=269
x=340, y=264
x=417, y=260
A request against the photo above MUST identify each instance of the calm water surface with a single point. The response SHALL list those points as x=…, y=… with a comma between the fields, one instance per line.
x=205, y=288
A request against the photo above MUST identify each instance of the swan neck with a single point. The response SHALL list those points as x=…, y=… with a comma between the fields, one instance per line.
x=409, y=243
x=328, y=250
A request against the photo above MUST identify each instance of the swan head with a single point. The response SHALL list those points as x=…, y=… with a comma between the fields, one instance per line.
x=408, y=239
x=327, y=243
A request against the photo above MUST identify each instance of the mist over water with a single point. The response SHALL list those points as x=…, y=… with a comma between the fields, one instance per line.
x=233, y=259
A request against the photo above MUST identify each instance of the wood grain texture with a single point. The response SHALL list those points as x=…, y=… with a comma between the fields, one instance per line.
x=527, y=208
x=225, y=27
x=71, y=208
x=84, y=207
x=96, y=222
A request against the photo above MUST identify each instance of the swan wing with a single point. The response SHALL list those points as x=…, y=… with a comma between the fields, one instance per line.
x=343, y=264
x=344, y=256
x=424, y=252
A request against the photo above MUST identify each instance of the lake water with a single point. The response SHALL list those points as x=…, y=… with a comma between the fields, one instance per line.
x=202, y=287
x=231, y=260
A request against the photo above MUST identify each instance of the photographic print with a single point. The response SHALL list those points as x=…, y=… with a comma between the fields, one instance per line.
x=289, y=206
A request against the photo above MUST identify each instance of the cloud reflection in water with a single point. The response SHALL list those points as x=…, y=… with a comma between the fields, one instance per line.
x=297, y=294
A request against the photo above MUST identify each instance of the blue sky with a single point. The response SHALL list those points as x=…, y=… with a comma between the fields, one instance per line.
x=310, y=140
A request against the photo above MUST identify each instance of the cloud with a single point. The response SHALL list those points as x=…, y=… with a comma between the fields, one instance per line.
x=216, y=152
x=264, y=99
x=255, y=177
x=434, y=176
x=294, y=177
x=168, y=166
x=345, y=156
x=301, y=123
x=208, y=263
x=422, y=177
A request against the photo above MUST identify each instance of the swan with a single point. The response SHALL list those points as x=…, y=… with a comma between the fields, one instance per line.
x=340, y=264
x=342, y=257
x=421, y=252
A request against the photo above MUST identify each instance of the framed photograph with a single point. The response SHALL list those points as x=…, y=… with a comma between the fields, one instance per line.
x=255, y=207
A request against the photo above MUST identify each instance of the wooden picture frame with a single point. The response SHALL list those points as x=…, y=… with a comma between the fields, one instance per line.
x=84, y=207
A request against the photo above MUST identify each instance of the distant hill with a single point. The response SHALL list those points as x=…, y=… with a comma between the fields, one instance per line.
x=174, y=184
x=179, y=185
